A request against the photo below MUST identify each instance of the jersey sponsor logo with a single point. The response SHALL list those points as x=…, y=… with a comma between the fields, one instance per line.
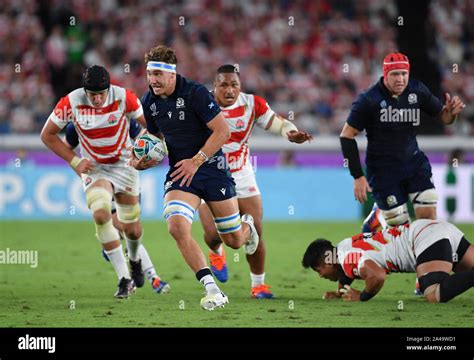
x=153, y=110
x=392, y=200
x=412, y=98
x=88, y=181
x=223, y=191
x=180, y=103
x=395, y=115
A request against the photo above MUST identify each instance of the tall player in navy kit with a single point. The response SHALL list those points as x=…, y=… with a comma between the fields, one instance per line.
x=397, y=170
x=194, y=128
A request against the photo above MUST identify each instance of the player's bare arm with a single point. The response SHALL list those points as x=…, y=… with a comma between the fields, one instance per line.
x=188, y=167
x=49, y=136
x=281, y=126
x=374, y=277
x=452, y=108
x=351, y=155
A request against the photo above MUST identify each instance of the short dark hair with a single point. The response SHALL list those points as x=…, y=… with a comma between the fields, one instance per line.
x=228, y=69
x=96, y=78
x=161, y=53
x=316, y=253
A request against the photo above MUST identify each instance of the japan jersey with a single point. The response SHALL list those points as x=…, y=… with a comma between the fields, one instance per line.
x=103, y=132
x=241, y=117
x=391, y=249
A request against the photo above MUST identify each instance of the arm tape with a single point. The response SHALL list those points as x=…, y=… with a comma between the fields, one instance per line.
x=351, y=153
x=280, y=126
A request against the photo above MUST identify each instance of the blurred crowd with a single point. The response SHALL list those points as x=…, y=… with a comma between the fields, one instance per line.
x=308, y=59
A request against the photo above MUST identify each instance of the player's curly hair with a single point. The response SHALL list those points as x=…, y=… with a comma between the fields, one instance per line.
x=161, y=53
x=316, y=253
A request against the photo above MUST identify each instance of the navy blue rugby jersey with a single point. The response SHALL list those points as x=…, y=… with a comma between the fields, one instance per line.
x=390, y=123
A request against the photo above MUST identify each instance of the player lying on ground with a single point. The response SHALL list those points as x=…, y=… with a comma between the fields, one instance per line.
x=431, y=248
x=159, y=286
x=194, y=129
x=242, y=112
x=101, y=114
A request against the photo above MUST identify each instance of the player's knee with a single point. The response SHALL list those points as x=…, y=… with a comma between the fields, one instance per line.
x=396, y=216
x=133, y=231
x=424, y=199
x=101, y=216
x=234, y=240
x=212, y=239
x=429, y=285
x=176, y=229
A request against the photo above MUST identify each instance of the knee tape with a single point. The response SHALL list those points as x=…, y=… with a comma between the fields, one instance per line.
x=128, y=213
x=99, y=198
x=396, y=216
x=425, y=198
x=106, y=232
x=228, y=224
x=178, y=208
x=431, y=278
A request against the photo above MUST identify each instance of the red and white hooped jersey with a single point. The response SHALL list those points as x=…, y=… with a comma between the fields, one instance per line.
x=390, y=249
x=103, y=132
x=242, y=116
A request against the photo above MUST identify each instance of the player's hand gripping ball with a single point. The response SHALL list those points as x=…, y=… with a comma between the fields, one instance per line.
x=150, y=146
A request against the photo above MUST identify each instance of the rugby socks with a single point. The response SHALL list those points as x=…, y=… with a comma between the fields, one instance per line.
x=218, y=251
x=132, y=246
x=257, y=279
x=204, y=276
x=455, y=284
x=117, y=259
x=147, y=266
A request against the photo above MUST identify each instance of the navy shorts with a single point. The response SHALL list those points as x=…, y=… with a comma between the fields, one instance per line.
x=391, y=186
x=209, y=183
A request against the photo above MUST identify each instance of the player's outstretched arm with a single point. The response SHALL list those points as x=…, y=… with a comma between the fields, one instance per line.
x=49, y=136
x=285, y=128
x=374, y=277
x=452, y=108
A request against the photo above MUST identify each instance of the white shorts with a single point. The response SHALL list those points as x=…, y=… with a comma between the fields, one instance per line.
x=245, y=182
x=425, y=233
x=124, y=179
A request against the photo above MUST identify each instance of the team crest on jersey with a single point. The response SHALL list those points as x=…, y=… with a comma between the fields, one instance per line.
x=392, y=200
x=383, y=104
x=412, y=98
x=168, y=184
x=180, y=103
x=239, y=125
x=153, y=110
x=112, y=119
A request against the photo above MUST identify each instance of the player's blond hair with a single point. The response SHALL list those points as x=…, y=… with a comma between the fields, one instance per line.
x=161, y=53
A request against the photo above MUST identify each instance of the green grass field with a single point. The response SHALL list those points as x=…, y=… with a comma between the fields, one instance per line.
x=73, y=286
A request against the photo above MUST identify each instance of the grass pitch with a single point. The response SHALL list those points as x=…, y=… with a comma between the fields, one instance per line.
x=73, y=286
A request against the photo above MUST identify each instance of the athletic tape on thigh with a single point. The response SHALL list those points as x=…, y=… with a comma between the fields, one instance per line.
x=128, y=213
x=176, y=207
x=99, y=198
x=228, y=224
x=426, y=198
